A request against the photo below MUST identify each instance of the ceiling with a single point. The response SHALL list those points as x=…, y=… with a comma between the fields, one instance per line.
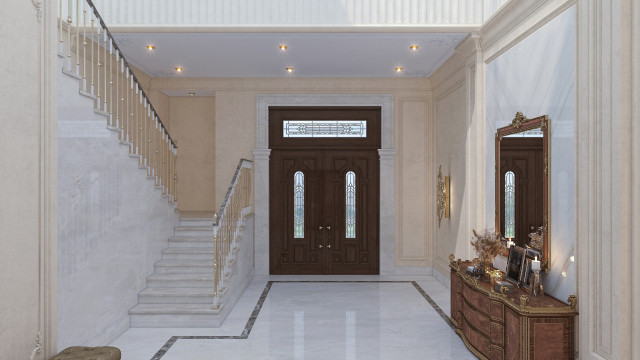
x=309, y=54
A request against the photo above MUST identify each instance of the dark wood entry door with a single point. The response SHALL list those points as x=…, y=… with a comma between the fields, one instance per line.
x=324, y=208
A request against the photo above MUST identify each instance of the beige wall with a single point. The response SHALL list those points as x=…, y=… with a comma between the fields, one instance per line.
x=192, y=120
x=27, y=179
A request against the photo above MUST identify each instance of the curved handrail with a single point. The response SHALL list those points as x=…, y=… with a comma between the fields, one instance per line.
x=218, y=216
x=228, y=224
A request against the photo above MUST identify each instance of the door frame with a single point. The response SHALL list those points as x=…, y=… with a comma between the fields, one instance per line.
x=387, y=170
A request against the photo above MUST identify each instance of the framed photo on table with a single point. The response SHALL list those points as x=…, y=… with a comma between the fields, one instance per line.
x=515, y=264
x=526, y=272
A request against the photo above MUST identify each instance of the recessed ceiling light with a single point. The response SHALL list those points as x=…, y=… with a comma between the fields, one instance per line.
x=151, y=47
x=289, y=69
x=399, y=69
x=413, y=47
x=178, y=69
x=282, y=47
x=192, y=94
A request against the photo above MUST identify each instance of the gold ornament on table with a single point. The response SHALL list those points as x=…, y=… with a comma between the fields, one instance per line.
x=487, y=245
x=496, y=275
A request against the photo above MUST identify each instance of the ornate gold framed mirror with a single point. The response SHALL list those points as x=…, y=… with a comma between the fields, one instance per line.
x=522, y=184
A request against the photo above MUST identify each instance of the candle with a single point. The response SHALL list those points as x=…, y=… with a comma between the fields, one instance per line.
x=535, y=264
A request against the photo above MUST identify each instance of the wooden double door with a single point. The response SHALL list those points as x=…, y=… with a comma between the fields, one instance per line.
x=324, y=199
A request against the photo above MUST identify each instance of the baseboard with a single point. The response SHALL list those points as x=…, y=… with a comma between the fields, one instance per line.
x=110, y=333
x=442, y=278
x=413, y=270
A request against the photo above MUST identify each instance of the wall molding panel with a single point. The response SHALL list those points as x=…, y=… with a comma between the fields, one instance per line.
x=415, y=217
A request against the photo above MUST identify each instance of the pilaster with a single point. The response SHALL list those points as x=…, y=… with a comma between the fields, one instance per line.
x=608, y=182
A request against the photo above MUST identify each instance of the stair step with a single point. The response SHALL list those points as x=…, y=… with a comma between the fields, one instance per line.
x=182, y=266
x=182, y=253
x=200, y=222
x=194, y=228
x=191, y=241
x=176, y=296
x=174, y=315
x=183, y=231
x=180, y=280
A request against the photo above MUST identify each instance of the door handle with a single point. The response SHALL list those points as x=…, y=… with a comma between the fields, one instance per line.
x=329, y=246
x=328, y=227
x=320, y=228
x=320, y=246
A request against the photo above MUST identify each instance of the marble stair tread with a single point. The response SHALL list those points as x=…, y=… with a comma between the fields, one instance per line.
x=176, y=295
x=187, y=250
x=181, y=277
x=191, y=309
x=194, y=228
x=193, y=240
x=196, y=222
x=182, y=291
x=185, y=262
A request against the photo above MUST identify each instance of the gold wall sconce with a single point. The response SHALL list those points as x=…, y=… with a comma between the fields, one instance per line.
x=442, y=200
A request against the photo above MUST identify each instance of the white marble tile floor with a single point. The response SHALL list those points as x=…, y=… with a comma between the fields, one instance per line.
x=316, y=317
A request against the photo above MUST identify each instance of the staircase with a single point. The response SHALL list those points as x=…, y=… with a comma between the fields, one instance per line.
x=180, y=291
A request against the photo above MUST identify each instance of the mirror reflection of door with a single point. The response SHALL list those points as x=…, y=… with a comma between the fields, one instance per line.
x=521, y=174
x=324, y=191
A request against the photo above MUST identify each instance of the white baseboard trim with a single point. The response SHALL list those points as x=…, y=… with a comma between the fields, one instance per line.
x=442, y=278
x=110, y=333
x=412, y=270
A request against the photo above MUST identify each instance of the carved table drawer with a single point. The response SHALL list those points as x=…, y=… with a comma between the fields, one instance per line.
x=491, y=330
x=493, y=309
x=482, y=344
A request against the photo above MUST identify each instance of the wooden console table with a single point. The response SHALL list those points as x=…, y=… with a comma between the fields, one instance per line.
x=510, y=326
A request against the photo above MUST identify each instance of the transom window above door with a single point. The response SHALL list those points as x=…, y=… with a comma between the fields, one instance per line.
x=324, y=128
x=340, y=127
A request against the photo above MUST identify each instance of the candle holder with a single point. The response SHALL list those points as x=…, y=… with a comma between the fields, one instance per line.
x=537, y=288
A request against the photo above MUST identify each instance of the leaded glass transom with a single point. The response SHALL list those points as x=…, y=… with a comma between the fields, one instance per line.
x=298, y=205
x=350, y=212
x=324, y=129
x=510, y=205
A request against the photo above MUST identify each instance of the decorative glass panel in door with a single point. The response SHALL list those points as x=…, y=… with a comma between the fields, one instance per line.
x=350, y=208
x=298, y=205
x=510, y=205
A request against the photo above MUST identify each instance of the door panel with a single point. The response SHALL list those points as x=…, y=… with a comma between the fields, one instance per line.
x=295, y=255
x=356, y=255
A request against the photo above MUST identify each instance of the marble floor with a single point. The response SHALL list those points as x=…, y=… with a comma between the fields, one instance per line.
x=316, y=317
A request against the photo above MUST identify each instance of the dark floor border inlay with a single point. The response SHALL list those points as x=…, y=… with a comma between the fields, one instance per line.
x=256, y=311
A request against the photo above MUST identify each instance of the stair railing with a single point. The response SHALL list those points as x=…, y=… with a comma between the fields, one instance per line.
x=94, y=58
x=228, y=223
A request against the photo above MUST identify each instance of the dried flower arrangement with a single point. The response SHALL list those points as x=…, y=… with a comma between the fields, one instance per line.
x=487, y=245
x=537, y=239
